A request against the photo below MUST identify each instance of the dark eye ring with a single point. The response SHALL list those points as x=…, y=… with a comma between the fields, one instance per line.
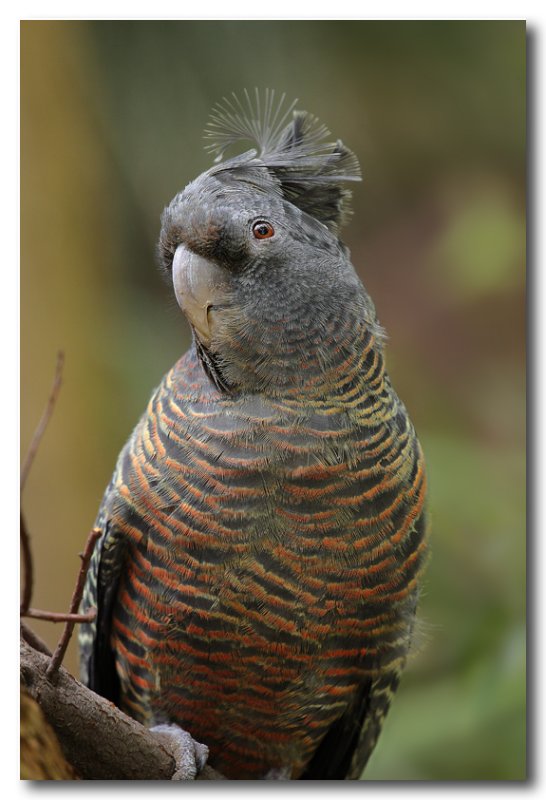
x=263, y=229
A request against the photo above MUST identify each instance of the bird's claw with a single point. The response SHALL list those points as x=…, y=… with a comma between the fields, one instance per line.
x=190, y=756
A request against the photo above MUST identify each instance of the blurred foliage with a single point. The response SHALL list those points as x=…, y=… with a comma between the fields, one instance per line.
x=111, y=121
x=481, y=244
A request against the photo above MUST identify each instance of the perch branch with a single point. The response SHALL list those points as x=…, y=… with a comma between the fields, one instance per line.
x=123, y=750
x=97, y=738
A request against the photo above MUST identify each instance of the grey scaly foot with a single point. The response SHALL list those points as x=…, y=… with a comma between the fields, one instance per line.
x=190, y=756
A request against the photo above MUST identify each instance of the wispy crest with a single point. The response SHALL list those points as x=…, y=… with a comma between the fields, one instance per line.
x=294, y=145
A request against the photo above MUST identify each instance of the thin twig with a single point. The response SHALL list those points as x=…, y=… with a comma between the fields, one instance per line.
x=60, y=650
x=53, y=616
x=34, y=640
x=28, y=572
x=42, y=425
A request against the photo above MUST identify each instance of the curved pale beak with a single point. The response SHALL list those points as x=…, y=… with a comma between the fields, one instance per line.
x=200, y=286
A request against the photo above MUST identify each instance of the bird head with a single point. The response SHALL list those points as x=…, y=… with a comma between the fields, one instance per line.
x=253, y=251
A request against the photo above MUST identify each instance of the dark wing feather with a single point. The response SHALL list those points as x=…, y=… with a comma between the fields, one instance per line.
x=97, y=663
x=349, y=742
x=333, y=756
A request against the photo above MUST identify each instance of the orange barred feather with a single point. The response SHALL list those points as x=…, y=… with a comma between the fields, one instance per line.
x=264, y=582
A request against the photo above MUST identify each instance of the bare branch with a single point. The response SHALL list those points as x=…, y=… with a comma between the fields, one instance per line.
x=60, y=650
x=28, y=571
x=42, y=425
x=53, y=616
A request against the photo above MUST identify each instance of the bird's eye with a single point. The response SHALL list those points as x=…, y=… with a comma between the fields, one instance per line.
x=263, y=229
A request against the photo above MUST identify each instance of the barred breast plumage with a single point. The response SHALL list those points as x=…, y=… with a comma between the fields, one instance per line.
x=271, y=569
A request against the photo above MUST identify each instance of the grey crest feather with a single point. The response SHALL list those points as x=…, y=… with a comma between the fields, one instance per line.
x=294, y=146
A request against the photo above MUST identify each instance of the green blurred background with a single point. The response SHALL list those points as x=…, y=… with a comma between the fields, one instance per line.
x=112, y=115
